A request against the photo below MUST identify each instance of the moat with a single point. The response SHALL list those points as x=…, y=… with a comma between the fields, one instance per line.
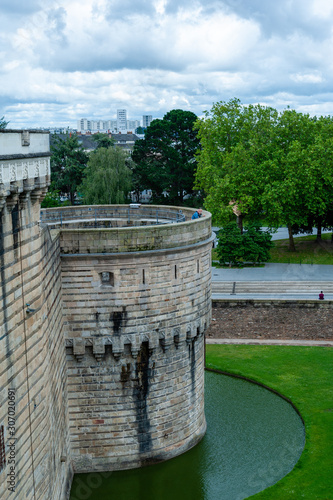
x=253, y=439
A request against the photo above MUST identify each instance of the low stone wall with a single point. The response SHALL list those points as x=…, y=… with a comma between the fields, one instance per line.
x=272, y=319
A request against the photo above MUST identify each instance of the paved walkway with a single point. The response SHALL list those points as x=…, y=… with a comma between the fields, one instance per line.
x=309, y=343
x=275, y=272
x=320, y=274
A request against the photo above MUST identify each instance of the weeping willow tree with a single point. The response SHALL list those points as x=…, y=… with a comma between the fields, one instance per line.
x=107, y=178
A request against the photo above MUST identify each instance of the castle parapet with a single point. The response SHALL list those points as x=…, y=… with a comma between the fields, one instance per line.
x=24, y=162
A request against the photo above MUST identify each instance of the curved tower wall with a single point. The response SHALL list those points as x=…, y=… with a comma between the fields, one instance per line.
x=134, y=323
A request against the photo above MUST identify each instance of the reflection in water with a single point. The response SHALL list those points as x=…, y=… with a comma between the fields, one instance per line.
x=253, y=439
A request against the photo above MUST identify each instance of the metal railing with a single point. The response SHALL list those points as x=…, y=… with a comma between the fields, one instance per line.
x=146, y=214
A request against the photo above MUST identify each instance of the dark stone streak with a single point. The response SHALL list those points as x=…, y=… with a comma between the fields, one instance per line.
x=119, y=319
x=140, y=393
x=192, y=363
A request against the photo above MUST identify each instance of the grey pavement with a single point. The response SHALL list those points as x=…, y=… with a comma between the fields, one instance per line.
x=320, y=274
x=275, y=272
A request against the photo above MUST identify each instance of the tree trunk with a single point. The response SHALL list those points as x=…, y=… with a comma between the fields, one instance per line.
x=318, y=231
x=240, y=223
x=292, y=247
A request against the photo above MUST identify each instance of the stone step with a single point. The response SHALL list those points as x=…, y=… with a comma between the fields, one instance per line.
x=311, y=287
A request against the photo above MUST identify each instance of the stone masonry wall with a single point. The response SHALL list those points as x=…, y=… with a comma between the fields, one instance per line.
x=134, y=326
x=32, y=353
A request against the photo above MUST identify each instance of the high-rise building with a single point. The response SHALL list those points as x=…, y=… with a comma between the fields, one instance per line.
x=146, y=120
x=121, y=119
x=83, y=125
x=132, y=124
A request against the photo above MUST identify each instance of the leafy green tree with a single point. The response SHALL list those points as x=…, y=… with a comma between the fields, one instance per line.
x=52, y=199
x=107, y=179
x=235, y=247
x=68, y=162
x=230, y=248
x=299, y=190
x=257, y=243
x=3, y=123
x=103, y=140
x=233, y=162
x=256, y=162
x=165, y=158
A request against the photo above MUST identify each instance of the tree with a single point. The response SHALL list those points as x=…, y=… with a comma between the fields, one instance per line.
x=255, y=162
x=3, y=123
x=68, y=162
x=257, y=243
x=233, y=161
x=51, y=199
x=235, y=247
x=294, y=194
x=103, y=140
x=107, y=179
x=165, y=158
x=230, y=248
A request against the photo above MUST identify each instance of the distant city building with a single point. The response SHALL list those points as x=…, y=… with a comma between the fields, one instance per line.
x=121, y=119
x=133, y=124
x=125, y=141
x=120, y=125
x=83, y=125
x=146, y=120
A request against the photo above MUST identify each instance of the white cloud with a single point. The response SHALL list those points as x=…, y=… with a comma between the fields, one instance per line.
x=60, y=58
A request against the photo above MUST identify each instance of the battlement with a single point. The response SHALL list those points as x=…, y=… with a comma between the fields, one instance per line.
x=24, y=164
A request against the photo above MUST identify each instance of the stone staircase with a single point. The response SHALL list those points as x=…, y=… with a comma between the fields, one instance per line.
x=272, y=287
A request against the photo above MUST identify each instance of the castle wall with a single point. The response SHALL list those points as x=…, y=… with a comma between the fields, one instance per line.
x=134, y=324
x=33, y=399
x=101, y=336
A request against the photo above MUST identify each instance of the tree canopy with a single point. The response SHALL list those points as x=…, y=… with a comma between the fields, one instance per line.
x=107, y=178
x=68, y=162
x=103, y=140
x=251, y=246
x=258, y=163
x=165, y=159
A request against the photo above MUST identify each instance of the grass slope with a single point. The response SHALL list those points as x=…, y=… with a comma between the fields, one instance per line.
x=305, y=376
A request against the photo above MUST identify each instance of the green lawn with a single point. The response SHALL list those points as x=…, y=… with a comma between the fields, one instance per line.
x=308, y=251
x=305, y=376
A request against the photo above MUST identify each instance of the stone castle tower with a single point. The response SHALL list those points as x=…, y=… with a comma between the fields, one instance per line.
x=101, y=330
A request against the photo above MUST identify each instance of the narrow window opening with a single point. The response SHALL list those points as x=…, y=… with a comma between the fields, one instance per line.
x=107, y=278
x=198, y=266
x=175, y=272
x=143, y=277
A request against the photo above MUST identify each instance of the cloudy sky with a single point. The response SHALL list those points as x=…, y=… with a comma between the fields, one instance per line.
x=66, y=59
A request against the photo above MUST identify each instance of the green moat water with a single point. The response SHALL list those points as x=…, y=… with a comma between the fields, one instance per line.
x=253, y=439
